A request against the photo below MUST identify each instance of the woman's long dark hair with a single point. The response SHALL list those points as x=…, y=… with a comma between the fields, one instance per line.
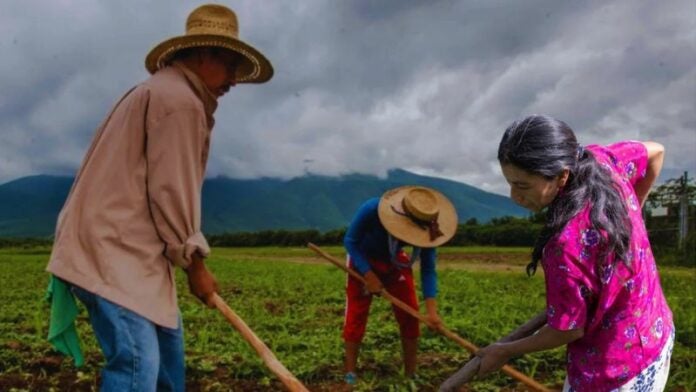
x=545, y=146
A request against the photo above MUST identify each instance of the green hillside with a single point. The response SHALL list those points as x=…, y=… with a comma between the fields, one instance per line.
x=29, y=206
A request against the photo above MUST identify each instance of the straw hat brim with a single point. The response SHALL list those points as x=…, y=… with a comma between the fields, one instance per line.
x=405, y=229
x=255, y=67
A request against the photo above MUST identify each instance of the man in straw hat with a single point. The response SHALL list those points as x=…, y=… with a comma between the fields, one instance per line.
x=410, y=215
x=134, y=211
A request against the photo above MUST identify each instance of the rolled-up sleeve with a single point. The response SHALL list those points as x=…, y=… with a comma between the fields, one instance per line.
x=175, y=154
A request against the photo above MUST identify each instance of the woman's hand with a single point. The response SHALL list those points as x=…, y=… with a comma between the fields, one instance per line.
x=656, y=156
x=493, y=357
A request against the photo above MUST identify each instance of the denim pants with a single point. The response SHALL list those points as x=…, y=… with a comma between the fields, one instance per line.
x=140, y=355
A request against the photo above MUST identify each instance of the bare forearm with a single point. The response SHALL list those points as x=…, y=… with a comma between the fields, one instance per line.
x=201, y=282
x=197, y=262
x=431, y=306
x=494, y=356
x=547, y=338
x=526, y=329
x=656, y=154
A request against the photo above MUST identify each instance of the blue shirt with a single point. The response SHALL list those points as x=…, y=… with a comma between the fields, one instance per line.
x=367, y=238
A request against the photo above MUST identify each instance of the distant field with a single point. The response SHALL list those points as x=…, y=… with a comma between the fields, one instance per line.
x=294, y=302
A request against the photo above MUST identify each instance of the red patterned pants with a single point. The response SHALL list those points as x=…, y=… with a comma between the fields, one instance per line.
x=398, y=282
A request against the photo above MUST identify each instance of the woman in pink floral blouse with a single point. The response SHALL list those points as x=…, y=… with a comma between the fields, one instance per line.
x=603, y=294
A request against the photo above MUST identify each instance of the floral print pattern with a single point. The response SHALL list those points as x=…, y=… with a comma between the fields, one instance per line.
x=590, y=238
x=651, y=379
x=630, y=170
x=618, y=303
x=633, y=203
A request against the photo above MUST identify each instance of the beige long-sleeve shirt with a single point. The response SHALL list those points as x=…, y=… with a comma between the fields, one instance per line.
x=134, y=210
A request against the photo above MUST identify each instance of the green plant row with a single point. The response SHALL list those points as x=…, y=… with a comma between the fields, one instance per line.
x=297, y=309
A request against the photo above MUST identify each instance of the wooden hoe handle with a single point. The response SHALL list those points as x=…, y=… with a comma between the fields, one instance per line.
x=507, y=369
x=292, y=383
x=471, y=368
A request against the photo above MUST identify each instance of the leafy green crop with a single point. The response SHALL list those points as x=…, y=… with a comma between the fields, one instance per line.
x=294, y=302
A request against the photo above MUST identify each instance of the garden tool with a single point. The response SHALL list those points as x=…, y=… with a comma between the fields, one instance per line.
x=287, y=378
x=471, y=368
x=507, y=369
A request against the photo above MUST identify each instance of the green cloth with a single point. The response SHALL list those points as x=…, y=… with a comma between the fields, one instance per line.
x=61, y=330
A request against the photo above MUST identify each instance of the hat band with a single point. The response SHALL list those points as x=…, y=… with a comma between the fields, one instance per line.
x=431, y=225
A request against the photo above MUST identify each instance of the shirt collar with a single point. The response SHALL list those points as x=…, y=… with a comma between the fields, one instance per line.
x=209, y=100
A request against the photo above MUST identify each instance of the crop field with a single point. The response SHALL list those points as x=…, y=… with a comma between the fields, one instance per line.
x=294, y=301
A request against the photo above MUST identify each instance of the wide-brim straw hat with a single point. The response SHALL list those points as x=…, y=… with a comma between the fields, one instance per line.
x=214, y=25
x=418, y=215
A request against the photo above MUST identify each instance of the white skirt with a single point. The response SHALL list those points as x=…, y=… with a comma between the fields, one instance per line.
x=651, y=379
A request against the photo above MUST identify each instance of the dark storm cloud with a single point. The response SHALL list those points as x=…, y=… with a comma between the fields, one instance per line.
x=362, y=85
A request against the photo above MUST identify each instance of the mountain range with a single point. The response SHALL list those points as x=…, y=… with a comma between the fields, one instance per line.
x=29, y=206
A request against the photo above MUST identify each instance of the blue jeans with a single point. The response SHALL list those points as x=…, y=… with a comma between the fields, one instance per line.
x=140, y=355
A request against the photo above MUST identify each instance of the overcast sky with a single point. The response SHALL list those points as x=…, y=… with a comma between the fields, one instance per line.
x=363, y=86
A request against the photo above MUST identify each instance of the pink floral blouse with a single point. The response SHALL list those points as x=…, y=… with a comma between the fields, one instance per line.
x=620, y=306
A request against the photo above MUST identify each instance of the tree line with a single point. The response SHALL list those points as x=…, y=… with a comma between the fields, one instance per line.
x=505, y=231
x=672, y=235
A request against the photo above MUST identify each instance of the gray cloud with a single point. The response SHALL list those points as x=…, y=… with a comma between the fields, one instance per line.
x=363, y=86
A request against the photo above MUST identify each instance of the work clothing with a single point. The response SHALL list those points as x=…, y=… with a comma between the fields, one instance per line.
x=619, y=304
x=398, y=282
x=134, y=210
